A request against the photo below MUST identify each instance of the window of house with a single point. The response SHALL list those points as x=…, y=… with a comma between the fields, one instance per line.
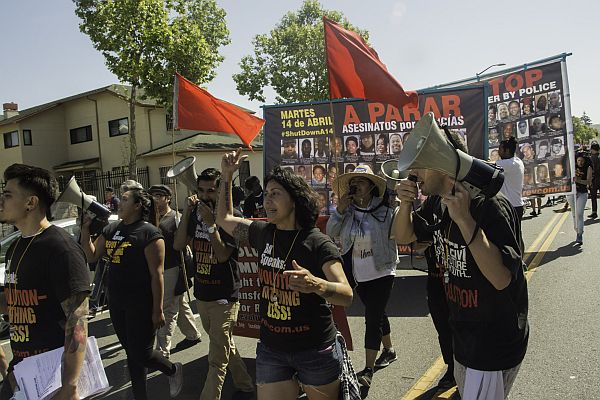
x=27, y=137
x=80, y=135
x=163, y=176
x=11, y=139
x=118, y=127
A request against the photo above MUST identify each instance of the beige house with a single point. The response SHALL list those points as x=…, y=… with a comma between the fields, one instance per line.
x=88, y=133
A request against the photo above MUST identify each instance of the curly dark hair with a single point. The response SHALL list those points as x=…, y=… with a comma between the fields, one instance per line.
x=37, y=181
x=210, y=174
x=149, y=210
x=305, y=198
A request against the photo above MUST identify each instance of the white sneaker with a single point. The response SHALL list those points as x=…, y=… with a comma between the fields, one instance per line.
x=176, y=380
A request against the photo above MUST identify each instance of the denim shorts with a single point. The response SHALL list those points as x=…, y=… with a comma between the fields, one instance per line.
x=309, y=367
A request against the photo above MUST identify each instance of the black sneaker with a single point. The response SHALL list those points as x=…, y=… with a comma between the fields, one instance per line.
x=447, y=381
x=593, y=216
x=187, y=343
x=365, y=377
x=387, y=356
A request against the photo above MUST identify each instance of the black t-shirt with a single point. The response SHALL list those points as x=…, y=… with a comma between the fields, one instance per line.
x=50, y=268
x=168, y=227
x=213, y=280
x=490, y=327
x=581, y=173
x=295, y=321
x=129, y=278
x=253, y=206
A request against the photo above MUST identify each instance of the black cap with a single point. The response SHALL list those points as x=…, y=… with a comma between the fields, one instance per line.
x=161, y=190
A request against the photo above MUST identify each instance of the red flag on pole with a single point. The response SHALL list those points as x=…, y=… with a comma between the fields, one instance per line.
x=196, y=109
x=355, y=71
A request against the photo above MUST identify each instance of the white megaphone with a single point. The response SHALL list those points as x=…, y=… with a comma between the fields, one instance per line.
x=429, y=148
x=74, y=195
x=185, y=172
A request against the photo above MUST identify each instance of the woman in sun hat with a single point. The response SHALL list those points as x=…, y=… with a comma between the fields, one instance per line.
x=362, y=223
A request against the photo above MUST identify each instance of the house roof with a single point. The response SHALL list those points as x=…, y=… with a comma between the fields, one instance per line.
x=204, y=141
x=71, y=165
x=118, y=90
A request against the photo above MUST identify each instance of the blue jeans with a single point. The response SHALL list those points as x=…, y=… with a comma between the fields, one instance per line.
x=312, y=367
x=577, y=210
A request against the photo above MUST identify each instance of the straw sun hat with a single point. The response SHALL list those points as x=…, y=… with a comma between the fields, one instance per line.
x=341, y=184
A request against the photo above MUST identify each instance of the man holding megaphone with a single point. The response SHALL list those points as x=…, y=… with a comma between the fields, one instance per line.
x=475, y=237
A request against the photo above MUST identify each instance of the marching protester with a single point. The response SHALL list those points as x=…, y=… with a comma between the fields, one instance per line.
x=514, y=170
x=300, y=271
x=216, y=285
x=362, y=221
x=483, y=275
x=47, y=278
x=583, y=179
x=595, y=184
x=135, y=249
x=111, y=201
x=175, y=304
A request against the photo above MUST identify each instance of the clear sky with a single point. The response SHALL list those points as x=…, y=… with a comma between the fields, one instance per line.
x=423, y=43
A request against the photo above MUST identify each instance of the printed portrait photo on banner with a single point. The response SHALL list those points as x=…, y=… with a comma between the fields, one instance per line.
x=527, y=106
x=503, y=114
x=557, y=148
x=332, y=172
x=522, y=129
x=367, y=144
x=333, y=201
x=492, y=119
x=321, y=147
x=349, y=167
x=493, y=137
x=494, y=155
x=318, y=175
x=541, y=103
x=542, y=150
x=514, y=110
x=555, y=123
x=338, y=146
x=554, y=103
x=537, y=125
x=305, y=171
x=396, y=144
x=528, y=176
x=382, y=146
x=306, y=148
x=405, y=137
x=508, y=130
x=351, y=143
x=289, y=149
x=527, y=153
x=323, y=210
x=542, y=175
x=558, y=169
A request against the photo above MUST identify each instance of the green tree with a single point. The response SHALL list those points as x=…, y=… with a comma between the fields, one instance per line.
x=144, y=42
x=582, y=131
x=291, y=58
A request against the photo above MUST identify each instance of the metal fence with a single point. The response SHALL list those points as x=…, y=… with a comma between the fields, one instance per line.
x=92, y=183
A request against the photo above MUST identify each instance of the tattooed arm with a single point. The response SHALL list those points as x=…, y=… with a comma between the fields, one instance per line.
x=235, y=226
x=76, y=330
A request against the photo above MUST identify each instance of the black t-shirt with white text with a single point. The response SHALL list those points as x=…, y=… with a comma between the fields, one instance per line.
x=253, y=206
x=489, y=326
x=290, y=320
x=50, y=268
x=213, y=280
x=129, y=278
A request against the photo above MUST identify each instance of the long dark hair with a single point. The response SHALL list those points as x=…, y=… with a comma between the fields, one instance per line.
x=149, y=210
x=305, y=198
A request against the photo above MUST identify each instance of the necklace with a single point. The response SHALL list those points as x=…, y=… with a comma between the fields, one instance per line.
x=42, y=229
x=274, y=298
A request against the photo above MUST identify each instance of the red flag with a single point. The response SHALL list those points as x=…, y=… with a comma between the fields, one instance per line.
x=354, y=70
x=196, y=109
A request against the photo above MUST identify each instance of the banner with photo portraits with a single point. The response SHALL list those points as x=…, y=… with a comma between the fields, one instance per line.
x=320, y=140
x=529, y=105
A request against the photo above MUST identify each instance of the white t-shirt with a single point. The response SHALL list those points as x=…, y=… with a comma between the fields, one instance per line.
x=512, y=188
x=363, y=262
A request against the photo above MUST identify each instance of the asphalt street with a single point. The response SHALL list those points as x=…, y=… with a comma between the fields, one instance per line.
x=564, y=346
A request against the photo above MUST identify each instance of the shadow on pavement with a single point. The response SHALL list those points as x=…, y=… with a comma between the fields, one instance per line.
x=194, y=376
x=408, y=299
x=567, y=250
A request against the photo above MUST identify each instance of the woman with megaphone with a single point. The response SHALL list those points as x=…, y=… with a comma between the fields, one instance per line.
x=362, y=222
x=300, y=272
x=135, y=249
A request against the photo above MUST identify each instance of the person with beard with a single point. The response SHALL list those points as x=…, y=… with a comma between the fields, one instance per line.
x=476, y=242
x=298, y=346
x=216, y=285
x=396, y=144
x=175, y=304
